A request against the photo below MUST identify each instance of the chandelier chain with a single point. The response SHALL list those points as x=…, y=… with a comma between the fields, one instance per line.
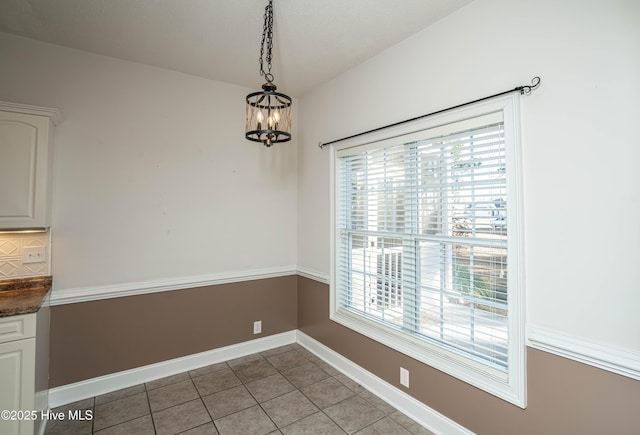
x=267, y=41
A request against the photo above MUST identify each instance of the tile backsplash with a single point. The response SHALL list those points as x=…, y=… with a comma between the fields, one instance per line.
x=11, y=254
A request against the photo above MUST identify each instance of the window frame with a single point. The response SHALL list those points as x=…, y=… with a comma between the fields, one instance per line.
x=513, y=387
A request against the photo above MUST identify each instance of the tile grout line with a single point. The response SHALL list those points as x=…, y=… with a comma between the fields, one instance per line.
x=93, y=420
x=296, y=388
x=299, y=389
x=256, y=399
x=93, y=431
x=153, y=421
x=213, y=423
x=311, y=401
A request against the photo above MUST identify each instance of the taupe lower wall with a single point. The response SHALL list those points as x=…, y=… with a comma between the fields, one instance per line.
x=564, y=396
x=97, y=338
x=92, y=339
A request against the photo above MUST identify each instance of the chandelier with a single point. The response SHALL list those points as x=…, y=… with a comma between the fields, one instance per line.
x=268, y=111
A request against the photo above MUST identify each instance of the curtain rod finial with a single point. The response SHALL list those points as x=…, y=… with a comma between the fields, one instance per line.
x=320, y=145
x=526, y=90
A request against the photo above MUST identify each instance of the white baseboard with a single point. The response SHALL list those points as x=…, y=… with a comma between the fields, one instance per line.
x=104, y=384
x=624, y=362
x=418, y=411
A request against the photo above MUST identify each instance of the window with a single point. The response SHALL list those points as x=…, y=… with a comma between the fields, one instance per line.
x=427, y=234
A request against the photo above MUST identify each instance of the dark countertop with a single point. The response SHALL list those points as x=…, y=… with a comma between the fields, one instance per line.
x=24, y=295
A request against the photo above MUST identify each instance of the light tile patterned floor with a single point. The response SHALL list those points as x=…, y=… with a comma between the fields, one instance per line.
x=286, y=390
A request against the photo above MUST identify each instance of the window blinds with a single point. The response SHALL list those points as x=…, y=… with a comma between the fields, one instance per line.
x=421, y=222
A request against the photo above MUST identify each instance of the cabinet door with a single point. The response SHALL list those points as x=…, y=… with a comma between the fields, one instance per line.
x=17, y=365
x=24, y=170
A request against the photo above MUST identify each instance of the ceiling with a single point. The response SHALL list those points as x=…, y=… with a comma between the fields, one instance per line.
x=314, y=40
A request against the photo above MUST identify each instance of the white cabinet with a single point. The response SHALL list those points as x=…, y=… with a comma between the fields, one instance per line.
x=17, y=373
x=26, y=165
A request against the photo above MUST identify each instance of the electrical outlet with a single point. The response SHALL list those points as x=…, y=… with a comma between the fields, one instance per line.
x=34, y=254
x=404, y=377
x=257, y=327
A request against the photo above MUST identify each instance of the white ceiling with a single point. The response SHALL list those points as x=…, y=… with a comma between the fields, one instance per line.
x=314, y=40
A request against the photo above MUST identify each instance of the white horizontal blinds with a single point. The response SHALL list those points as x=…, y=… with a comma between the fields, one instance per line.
x=423, y=237
x=463, y=256
x=377, y=253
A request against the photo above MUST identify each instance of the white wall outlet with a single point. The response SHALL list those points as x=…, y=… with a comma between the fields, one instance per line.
x=257, y=327
x=34, y=254
x=404, y=377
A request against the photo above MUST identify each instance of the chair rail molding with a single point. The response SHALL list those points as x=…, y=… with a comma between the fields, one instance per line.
x=625, y=362
x=313, y=274
x=95, y=293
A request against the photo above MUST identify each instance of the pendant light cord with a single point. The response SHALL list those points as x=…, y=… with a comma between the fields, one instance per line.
x=524, y=90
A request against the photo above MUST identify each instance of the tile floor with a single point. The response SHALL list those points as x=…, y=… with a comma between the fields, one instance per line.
x=286, y=390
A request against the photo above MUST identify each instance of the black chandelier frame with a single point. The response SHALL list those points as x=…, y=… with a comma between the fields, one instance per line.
x=268, y=111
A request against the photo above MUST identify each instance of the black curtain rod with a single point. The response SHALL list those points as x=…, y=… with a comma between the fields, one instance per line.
x=524, y=90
